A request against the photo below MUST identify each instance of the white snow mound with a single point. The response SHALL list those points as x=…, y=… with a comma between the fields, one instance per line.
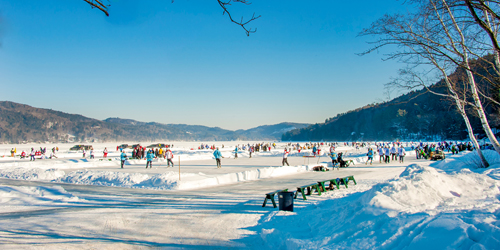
x=423, y=189
x=164, y=181
x=31, y=174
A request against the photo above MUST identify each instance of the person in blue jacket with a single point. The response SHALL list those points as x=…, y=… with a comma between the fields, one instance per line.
x=370, y=156
x=149, y=159
x=123, y=157
x=333, y=155
x=236, y=152
x=218, y=156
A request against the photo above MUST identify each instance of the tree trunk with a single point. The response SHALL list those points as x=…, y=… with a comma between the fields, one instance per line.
x=480, y=111
x=461, y=109
x=478, y=106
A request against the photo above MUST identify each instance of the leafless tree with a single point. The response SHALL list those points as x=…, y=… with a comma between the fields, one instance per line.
x=432, y=43
x=102, y=6
x=458, y=40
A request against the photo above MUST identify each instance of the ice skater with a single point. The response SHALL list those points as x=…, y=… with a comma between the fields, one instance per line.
x=393, y=152
x=387, y=154
x=370, y=156
x=123, y=158
x=32, y=155
x=149, y=158
x=401, y=153
x=169, y=156
x=218, y=156
x=381, y=153
x=285, y=158
x=335, y=163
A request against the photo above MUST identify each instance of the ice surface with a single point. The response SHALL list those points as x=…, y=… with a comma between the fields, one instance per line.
x=448, y=204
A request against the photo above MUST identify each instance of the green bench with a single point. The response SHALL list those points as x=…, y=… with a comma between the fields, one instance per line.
x=309, y=188
x=337, y=182
x=271, y=195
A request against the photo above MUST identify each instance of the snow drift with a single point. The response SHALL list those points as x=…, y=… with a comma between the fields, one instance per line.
x=423, y=189
x=424, y=208
x=163, y=181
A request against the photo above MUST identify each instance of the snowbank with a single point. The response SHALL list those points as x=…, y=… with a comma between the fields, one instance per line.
x=425, y=189
x=424, y=208
x=164, y=181
x=31, y=174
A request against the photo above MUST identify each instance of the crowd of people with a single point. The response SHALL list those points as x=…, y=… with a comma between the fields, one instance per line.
x=33, y=153
x=427, y=151
x=387, y=151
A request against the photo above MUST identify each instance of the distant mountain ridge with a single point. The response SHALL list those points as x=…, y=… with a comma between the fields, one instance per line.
x=22, y=123
x=271, y=131
x=264, y=132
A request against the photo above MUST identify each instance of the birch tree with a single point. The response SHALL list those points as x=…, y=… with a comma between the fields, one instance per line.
x=458, y=42
x=423, y=41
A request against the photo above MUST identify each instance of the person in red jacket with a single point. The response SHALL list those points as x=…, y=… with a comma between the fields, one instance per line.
x=285, y=158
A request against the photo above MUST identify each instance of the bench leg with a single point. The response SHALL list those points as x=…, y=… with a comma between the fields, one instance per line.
x=274, y=203
x=317, y=189
x=265, y=200
x=323, y=186
x=352, y=178
x=301, y=190
x=336, y=183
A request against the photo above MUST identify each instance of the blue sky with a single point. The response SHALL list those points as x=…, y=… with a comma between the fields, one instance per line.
x=184, y=62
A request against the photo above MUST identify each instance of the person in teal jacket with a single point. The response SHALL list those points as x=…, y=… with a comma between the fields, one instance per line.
x=149, y=159
x=333, y=156
x=236, y=152
x=123, y=157
x=218, y=156
x=370, y=156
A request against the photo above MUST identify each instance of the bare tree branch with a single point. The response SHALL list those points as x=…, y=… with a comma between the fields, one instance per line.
x=483, y=25
x=98, y=4
x=223, y=4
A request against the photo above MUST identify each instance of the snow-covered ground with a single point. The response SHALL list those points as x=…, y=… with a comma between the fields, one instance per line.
x=76, y=203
